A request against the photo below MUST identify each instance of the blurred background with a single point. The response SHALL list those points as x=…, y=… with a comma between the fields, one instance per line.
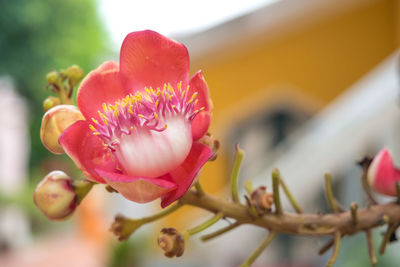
x=305, y=86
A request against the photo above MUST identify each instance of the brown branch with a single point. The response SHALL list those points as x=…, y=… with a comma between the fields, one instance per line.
x=299, y=224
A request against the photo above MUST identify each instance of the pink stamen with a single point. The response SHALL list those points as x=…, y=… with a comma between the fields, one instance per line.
x=144, y=110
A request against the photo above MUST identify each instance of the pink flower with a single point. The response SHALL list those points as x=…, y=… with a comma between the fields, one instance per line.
x=382, y=175
x=144, y=118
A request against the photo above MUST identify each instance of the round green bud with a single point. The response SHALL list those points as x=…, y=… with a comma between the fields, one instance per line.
x=50, y=102
x=52, y=77
x=74, y=73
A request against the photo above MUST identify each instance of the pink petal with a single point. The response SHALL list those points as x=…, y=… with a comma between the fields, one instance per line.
x=185, y=174
x=108, y=65
x=201, y=122
x=86, y=150
x=137, y=189
x=381, y=173
x=97, y=88
x=149, y=59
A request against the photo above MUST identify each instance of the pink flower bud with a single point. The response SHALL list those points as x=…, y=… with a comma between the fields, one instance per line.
x=54, y=122
x=55, y=196
x=382, y=175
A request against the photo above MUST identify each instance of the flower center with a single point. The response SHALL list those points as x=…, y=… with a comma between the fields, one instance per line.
x=150, y=132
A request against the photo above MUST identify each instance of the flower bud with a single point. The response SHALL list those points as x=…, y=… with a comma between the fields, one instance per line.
x=52, y=77
x=50, y=102
x=55, y=196
x=54, y=122
x=74, y=73
x=382, y=175
x=172, y=242
x=262, y=200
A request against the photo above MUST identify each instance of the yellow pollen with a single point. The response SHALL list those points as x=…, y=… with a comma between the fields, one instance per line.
x=183, y=94
x=157, y=103
x=156, y=115
x=95, y=121
x=96, y=133
x=104, y=107
x=171, y=89
x=130, y=109
x=165, y=126
x=141, y=116
x=92, y=128
x=192, y=98
x=196, y=101
x=179, y=86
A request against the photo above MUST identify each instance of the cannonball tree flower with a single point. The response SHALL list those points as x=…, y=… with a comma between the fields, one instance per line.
x=143, y=121
x=382, y=174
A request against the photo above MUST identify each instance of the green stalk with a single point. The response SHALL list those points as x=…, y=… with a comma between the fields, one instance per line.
x=235, y=173
x=259, y=250
x=219, y=232
x=206, y=224
x=291, y=198
x=275, y=188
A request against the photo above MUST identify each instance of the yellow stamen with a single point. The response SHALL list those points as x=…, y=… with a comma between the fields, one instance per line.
x=171, y=89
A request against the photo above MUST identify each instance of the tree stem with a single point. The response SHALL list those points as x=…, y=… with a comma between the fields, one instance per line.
x=298, y=224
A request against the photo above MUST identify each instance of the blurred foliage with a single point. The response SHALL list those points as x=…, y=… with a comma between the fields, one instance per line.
x=126, y=254
x=37, y=36
x=354, y=252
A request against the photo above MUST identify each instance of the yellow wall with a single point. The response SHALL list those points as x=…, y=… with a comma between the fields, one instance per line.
x=318, y=62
